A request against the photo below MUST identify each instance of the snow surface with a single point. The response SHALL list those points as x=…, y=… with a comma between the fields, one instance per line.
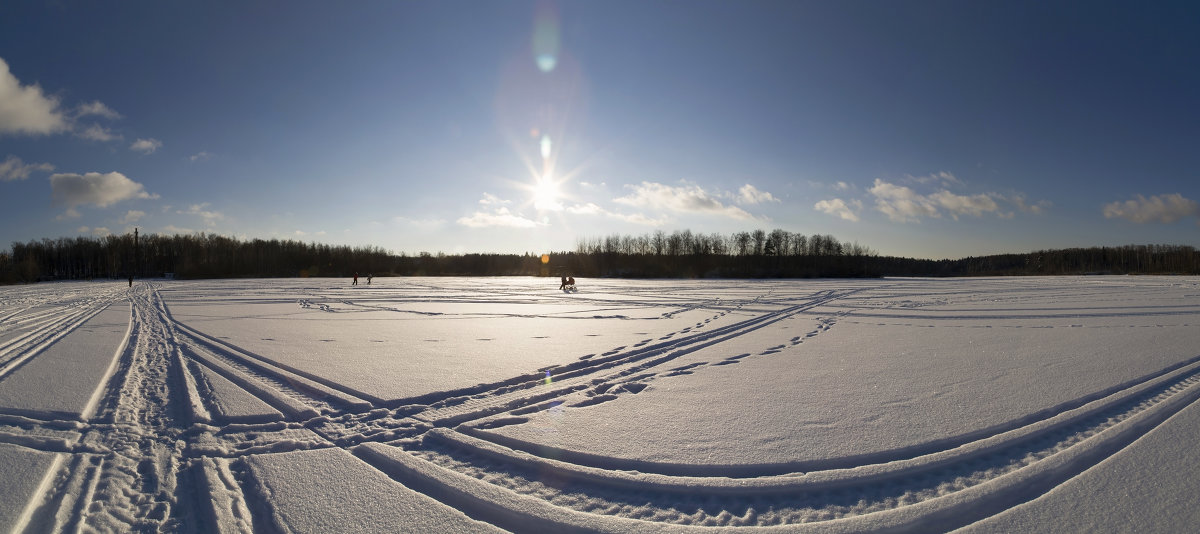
x=24, y=469
x=1160, y=475
x=482, y=404
x=307, y=490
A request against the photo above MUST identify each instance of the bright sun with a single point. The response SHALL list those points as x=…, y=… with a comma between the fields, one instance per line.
x=545, y=194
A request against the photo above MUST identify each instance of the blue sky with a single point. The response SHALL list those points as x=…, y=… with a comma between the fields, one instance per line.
x=916, y=128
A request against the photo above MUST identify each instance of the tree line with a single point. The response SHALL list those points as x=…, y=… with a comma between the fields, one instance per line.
x=754, y=254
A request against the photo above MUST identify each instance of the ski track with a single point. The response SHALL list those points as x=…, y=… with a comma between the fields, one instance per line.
x=158, y=455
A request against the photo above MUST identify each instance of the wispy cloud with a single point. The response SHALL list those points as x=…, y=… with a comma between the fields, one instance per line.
x=146, y=146
x=100, y=190
x=15, y=169
x=748, y=194
x=492, y=200
x=975, y=205
x=903, y=204
x=1158, y=208
x=98, y=231
x=500, y=217
x=171, y=229
x=24, y=109
x=132, y=216
x=840, y=208
x=97, y=108
x=199, y=156
x=1036, y=208
x=593, y=209
x=942, y=178
x=95, y=132
x=201, y=210
x=496, y=214
x=900, y=203
x=836, y=186
x=686, y=198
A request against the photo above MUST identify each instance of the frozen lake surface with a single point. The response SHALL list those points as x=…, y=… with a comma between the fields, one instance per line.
x=504, y=404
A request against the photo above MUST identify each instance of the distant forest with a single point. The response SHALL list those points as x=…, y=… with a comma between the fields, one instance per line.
x=680, y=254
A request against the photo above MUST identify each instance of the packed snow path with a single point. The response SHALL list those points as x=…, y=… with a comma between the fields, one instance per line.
x=631, y=406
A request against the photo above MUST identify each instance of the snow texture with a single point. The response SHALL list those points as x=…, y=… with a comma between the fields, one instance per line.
x=489, y=404
x=24, y=471
x=306, y=491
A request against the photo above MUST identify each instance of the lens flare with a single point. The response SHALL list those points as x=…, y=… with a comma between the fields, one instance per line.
x=545, y=147
x=545, y=37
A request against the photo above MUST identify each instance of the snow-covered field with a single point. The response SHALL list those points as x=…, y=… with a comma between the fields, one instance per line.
x=493, y=404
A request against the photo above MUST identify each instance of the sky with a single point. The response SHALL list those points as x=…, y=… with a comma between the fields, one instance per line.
x=930, y=129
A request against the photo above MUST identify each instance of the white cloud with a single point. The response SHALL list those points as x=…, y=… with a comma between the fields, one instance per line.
x=171, y=229
x=1036, y=208
x=15, y=169
x=100, y=190
x=903, y=204
x=95, y=132
x=201, y=210
x=1158, y=208
x=587, y=209
x=942, y=178
x=501, y=217
x=490, y=200
x=25, y=109
x=146, y=146
x=840, y=208
x=687, y=198
x=749, y=194
x=900, y=203
x=199, y=156
x=957, y=205
x=98, y=231
x=836, y=186
x=636, y=218
x=98, y=108
x=132, y=216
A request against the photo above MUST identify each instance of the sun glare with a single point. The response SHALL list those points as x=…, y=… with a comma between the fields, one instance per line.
x=545, y=194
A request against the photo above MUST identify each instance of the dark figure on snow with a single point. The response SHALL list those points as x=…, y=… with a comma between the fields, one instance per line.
x=571, y=282
x=563, y=285
x=369, y=278
x=355, y=279
x=131, y=280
